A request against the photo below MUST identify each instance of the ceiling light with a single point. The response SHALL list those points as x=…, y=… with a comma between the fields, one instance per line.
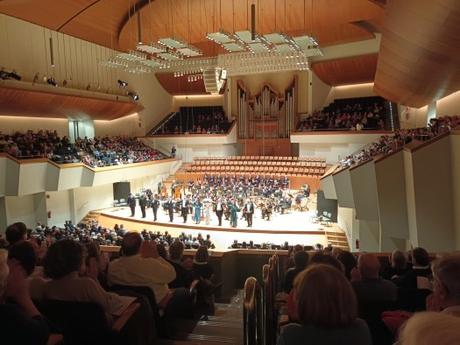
x=152, y=48
x=172, y=43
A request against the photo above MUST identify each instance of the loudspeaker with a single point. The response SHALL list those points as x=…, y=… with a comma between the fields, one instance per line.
x=121, y=190
x=326, y=205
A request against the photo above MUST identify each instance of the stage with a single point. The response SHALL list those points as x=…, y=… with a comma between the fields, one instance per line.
x=295, y=227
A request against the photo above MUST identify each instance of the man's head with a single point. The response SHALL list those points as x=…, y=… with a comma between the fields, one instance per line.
x=301, y=259
x=446, y=274
x=420, y=257
x=24, y=253
x=368, y=266
x=176, y=250
x=16, y=232
x=131, y=244
x=398, y=259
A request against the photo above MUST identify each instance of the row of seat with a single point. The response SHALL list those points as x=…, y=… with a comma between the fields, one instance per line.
x=263, y=163
x=212, y=169
x=263, y=158
x=260, y=315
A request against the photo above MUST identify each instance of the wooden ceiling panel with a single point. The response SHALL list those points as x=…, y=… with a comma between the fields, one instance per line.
x=358, y=69
x=21, y=102
x=418, y=61
x=179, y=85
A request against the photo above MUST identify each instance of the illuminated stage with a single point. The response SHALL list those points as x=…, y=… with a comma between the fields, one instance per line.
x=295, y=227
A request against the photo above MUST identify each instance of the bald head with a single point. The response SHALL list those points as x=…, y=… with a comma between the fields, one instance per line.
x=368, y=266
x=131, y=243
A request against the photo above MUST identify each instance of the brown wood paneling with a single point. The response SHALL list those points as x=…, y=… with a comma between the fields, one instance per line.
x=418, y=61
x=358, y=69
x=180, y=85
x=46, y=104
x=113, y=23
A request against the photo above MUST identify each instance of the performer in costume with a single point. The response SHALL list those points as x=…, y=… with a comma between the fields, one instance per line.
x=233, y=214
x=197, y=213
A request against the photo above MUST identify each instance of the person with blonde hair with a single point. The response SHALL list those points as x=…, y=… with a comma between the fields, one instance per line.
x=430, y=328
x=327, y=310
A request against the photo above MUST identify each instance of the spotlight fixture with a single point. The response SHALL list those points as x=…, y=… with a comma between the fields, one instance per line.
x=122, y=83
x=133, y=95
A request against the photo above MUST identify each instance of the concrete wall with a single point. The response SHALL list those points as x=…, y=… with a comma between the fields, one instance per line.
x=455, y=161
x=320, y=93
x=449, y=105
x=332, y=146
x=392, y=207
x=197, y=101
x=432, y=196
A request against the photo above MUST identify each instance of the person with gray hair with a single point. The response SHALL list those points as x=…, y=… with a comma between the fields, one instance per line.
x=446, y=285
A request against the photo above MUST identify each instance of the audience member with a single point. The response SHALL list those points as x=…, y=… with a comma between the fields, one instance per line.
x=183, y=276
x=430, y=328
x=20, y=320
x=327, y=310
x=446, y=285
x=398, y=265
x=63, y=264
x=201, y=268
x=348, y=261
x=370, y=287
x=300, y=263
x=140, y=265
x=16, y=232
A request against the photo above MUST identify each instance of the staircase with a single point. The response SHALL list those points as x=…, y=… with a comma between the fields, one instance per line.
x=92, y=215
x=225, y=327
x=337, y=238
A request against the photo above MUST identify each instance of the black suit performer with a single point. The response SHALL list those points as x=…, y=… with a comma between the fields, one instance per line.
x=249, y=212
x=155, y=205
x=219, y=209
x=143, y=204
x=132, y=204
x=184, y=208
x=169, y=206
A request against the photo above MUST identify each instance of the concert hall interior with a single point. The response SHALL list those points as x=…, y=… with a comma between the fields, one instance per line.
x=211, y=172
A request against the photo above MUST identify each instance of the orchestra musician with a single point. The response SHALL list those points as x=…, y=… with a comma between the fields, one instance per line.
x=169, y=206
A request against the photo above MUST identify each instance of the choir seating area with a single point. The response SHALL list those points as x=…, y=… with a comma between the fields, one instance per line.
x=291, y=166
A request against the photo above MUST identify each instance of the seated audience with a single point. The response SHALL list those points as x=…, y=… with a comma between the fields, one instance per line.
x=398, y=265
x=183, y=276
x=201, y=268
x=420, y=269
x=327, y=310
x=430, y=328
x=446, y=285
x=348, y=261
x=15, y=233
x=64, y=267
x=140, y=265
x=95, y=152
x=20, y=320
x=195, y=120
x=300, y=263
x=370, y=286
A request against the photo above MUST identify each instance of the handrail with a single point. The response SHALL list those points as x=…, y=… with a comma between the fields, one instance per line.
x=198, y=135
x=80, y=164
x=251, y=312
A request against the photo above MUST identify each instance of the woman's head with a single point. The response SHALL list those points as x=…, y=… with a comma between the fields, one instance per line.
x=324, y=297
x=202, y=254
x=24, y=253
x=398, y=259
x=63, y=257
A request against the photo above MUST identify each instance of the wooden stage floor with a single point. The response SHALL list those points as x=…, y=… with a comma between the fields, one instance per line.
x=294, y=227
